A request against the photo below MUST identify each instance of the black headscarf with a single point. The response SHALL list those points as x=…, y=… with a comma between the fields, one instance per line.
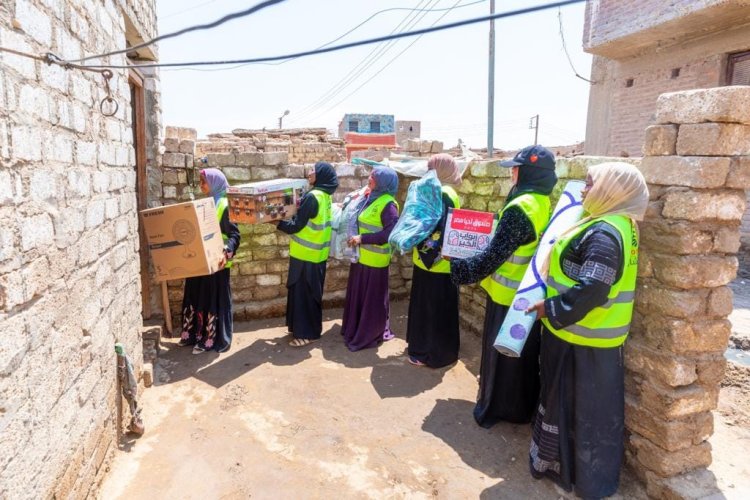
x=325, y=177
x=533, y=180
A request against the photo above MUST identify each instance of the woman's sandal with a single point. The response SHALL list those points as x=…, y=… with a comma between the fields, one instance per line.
x=295, y=342
x=415, y=361
x=198, y=349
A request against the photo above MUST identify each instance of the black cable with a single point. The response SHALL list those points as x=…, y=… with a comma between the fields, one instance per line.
x=565, y=48
x=340, y=36
x=199, y=27
x=336, y=48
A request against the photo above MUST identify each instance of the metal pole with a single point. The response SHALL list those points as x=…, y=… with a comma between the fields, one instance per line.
x=491, y=86
x=280, y=117
x=536, y=131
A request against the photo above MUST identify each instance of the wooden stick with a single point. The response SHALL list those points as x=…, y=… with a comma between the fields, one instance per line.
x=165, y=305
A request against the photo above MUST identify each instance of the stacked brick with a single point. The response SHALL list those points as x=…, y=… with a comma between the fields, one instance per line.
x=417, y=147
x=69, y=264
x=697, y=163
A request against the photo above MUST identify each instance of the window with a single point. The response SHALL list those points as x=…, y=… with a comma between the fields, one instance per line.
x=629, y=82
x=675, y=73
x=353, y=125
x=738, y=69
x=375, y=127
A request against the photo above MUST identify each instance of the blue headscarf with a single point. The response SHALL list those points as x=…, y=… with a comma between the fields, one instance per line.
x=217, y=183
x=386, y=182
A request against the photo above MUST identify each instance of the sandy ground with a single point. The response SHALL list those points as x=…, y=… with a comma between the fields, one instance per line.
x=269, y=421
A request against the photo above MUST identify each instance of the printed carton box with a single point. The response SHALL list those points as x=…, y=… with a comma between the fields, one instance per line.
x=467, y=232
x=184, y=239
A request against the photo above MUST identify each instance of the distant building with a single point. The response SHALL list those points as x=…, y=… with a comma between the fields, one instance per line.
x=406, y=129
x=643, y=48
x=366, y=124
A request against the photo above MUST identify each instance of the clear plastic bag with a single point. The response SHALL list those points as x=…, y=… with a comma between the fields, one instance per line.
x=344, y=226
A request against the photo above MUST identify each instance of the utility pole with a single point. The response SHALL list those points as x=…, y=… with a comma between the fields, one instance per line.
x=534, y=123
x=282, y=117
x=491, y=86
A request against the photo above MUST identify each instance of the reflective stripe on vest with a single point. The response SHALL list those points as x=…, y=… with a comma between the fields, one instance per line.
x=312, y=243
x=440, y=265
x=369, y=222
x=607, y=325
x=220, y=209
x=503, y=283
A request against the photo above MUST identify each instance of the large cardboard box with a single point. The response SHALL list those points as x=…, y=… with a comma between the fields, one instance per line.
x=265, y=201
x=184, y=239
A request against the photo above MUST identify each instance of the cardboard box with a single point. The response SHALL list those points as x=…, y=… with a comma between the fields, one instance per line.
x=265, y=201
x=184, y=239
x=468, y=232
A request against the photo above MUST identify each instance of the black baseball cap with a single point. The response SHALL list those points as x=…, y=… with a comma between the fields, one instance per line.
x=532, y=156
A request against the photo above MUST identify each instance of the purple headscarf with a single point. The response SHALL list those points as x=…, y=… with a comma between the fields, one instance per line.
x=217, y=183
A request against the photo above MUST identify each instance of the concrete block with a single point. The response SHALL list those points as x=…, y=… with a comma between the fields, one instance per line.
x=34, y=22
x=697, y=484
x=186, y=147
x=36, y=231
x=264, y=173
x=172, y=133
x=665, y=301
x=172, y=145
x=660, y=140
x=726, y=205
x=672, y=435
x=187, y=134
x=218, y=160
x=713, y=139
x=275, y=159
x=234, y=174
x=268, y=279
x=668, y=369
x=173, y=160
x=26, y=142
x=720, y=104
x=488, y=169
x=436, y=147
x=691, y=171
x=739, y=173
x=693, y=271
x=675, y=237
x=670, y=463
x=672, y=402
x=680, y=336
x=727, y=240
x=720, y=302
x=711, y=369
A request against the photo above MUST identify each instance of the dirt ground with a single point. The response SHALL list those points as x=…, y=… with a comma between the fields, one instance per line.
x=269, y=421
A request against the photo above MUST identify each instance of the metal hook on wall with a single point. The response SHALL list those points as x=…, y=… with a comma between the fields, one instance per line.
x=107, y=74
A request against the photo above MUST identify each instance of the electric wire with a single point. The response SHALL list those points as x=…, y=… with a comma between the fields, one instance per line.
x=379, y=71
x=378, y=52
x=335, y=48
x=565, y=48
x=190, y=29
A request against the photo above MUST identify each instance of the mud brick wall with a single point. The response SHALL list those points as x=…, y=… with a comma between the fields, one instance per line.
x=697, y=165
x=69, y=265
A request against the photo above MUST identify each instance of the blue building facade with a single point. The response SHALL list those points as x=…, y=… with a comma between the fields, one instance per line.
x=367, y=124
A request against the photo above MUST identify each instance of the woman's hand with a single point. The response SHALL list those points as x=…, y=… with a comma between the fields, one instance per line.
x=223, y=261
x=538, y=308
x=355, y=240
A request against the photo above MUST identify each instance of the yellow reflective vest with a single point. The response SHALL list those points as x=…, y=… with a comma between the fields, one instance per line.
x=607, y=325
x=440, y=265
x=313, y=242
x=503, y=283
x=369, y=222
x=220, y=209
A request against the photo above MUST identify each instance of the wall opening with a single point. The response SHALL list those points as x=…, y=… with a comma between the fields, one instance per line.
x=738, y=68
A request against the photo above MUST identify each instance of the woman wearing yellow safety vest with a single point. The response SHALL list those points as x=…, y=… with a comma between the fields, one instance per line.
x=577, y=438
x=310, y=231
x=366, y=321
x=509, y=387
x=432, y=331
x=207, y=300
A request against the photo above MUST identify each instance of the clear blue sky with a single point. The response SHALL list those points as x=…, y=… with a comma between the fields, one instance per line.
x=441, y=80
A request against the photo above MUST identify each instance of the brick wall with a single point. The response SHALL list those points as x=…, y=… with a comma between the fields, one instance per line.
x=69, y=267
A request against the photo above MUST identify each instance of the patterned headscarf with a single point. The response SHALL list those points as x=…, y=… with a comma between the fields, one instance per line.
x=446, y=168
x=217, y=183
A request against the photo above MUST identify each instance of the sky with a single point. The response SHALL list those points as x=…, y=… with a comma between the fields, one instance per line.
x=441, y=79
